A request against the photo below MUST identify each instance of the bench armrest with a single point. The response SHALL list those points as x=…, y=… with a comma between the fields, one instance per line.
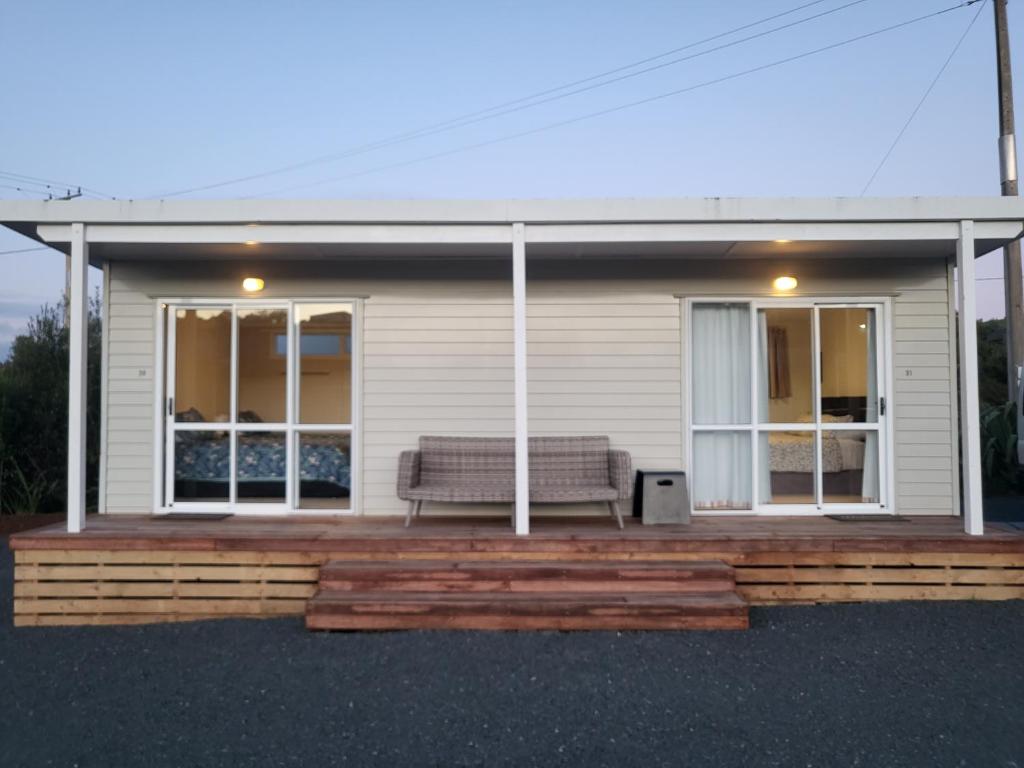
x=620, y=472
x=408, y=472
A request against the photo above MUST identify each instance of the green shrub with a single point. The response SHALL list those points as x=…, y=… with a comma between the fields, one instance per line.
x=1000, y=472
x=34, y=414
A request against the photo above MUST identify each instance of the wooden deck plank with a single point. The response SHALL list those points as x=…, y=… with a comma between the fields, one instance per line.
x=716, y=535
x=832, y=593
x=334, y=610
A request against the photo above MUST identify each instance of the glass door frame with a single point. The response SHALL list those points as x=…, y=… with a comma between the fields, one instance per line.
x=291, y=428
x=757, y=427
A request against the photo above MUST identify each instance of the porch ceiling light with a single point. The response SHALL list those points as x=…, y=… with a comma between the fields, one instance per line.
x=785, y=283
x=252, y=284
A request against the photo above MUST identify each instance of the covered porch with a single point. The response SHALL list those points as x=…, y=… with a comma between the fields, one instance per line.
x=686, y=251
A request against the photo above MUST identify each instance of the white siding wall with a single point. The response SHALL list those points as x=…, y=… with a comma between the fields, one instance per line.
x=605, y=357
x=924, y=397
x=130, y=391
x=606, y=360
x=435, y=361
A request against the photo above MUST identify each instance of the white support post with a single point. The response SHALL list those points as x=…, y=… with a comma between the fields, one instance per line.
x=78, y=325
x=970, y=410
x=522, y=514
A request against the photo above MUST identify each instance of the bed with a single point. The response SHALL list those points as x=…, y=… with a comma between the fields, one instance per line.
x=792, y=457
x=791, y=463
x=202, y=465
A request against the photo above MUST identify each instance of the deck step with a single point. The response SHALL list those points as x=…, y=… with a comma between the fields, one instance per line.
x=537, y=594
x=527, y=576
x=554, y=611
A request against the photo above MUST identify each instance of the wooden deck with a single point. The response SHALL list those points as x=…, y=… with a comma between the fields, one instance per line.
x=144, y=569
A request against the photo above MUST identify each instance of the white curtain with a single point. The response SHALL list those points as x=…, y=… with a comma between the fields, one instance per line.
x=721, y=364
x=721, y=395
x=721, y=470
x=869, y=481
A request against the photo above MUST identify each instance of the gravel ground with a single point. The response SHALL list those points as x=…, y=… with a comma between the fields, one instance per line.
x=905, y=684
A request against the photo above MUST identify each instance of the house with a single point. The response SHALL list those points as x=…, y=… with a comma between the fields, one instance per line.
x=796, y=357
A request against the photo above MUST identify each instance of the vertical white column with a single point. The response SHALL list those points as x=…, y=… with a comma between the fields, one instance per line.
x=101, y=494
x=78, y=323
x=522, y=516
x=970, y=411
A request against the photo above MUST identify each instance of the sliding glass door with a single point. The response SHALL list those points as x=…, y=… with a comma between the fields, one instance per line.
x=259, y=403
x=787, y=408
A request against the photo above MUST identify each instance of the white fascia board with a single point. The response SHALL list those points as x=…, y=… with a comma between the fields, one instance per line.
x=441, y=234
x=450, y=234
x=740, y=232
x=679, y=210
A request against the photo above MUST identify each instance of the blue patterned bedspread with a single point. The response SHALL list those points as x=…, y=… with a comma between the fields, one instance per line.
x=260, y=458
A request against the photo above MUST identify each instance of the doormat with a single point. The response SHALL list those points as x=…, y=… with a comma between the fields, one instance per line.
x=193, y=516
x=868, y=518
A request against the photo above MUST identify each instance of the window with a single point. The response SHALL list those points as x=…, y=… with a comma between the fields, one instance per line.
x=721, y=406
x=786, y=410
x=315, y=345
x=259, y=406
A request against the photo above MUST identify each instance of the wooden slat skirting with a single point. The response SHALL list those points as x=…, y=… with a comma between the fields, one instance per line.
x=875, y=576
x=70, y=587
x=132, y=586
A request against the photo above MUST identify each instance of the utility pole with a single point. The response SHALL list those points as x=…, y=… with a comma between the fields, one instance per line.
x=1013, y=278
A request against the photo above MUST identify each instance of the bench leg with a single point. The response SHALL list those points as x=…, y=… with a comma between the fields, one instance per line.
x=614, y=506
x=419, y=506
x=409, y=513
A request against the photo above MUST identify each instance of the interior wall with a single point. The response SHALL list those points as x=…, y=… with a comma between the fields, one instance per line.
x=844, y=358
x=203, y=363
x=262, y=372
x=325, y=380
x=799, y=406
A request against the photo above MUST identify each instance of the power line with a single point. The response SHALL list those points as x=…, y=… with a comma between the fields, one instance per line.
x=532, y=100
x=924, y=97
x=22, y=190
x=30, y=186
x=48, y=184
x=51, y=192
x=627, y=105
x=38, y=180
x=662, y=65
x=28, y=250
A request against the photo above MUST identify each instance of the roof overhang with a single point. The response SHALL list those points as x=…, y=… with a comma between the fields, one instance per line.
x=655, y=228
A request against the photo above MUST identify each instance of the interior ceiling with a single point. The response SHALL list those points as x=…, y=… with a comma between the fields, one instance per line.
x=100, y=252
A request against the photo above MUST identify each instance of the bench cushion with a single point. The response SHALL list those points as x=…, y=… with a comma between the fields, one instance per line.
x=564, y=463
x=466, y=469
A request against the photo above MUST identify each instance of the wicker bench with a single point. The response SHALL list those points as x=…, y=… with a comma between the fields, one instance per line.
x=482, y=470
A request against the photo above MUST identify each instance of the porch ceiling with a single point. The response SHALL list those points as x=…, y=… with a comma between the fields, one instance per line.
x=238, y=252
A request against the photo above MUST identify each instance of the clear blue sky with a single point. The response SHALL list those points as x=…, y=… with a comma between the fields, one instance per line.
x=137, y=99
